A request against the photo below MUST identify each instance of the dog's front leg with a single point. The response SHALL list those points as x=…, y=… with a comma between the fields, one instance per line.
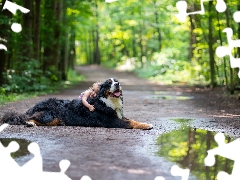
x=138, y=125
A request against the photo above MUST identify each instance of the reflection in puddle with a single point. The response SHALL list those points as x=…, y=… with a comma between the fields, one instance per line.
x=160, y=92
x=182, y=121
x=188, y=147
x=22, y=151
x=170, y=97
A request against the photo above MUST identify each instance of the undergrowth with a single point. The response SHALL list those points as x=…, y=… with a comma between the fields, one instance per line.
x=46, y=87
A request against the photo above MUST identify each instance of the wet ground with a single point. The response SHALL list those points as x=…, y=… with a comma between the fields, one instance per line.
x=113, y=154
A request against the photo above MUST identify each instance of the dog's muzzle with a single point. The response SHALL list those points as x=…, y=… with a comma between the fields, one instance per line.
x=117, y=93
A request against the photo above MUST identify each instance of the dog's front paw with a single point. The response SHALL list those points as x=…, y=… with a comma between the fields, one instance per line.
x=30, y=124
x=146, y=126
x=139, y=125
x=149, y=126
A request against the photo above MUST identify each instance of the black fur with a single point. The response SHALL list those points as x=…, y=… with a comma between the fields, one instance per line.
x=72, y=113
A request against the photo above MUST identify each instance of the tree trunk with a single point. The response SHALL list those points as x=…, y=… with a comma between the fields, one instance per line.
x=224, y=58
x=57, y=34
x=96, y=51
x=192, y=37
x=63, y=65
x=27, y=31
x=239, y=33
x=157, y=26
x=4, y=36
x=47, y=34
x=37, y=27
x=53, y=17
x=231, y=86
x=141, y=34
x=210, y=48
x=72, y=50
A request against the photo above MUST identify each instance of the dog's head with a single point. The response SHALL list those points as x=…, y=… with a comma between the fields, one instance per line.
x=111, y=94
x=111, y=88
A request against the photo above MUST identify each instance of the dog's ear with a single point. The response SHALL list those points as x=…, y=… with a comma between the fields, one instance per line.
x=103, y=89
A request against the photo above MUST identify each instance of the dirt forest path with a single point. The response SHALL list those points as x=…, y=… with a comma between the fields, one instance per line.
x=125, y=154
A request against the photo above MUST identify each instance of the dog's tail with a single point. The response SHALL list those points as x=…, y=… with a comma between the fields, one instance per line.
x=14, y=118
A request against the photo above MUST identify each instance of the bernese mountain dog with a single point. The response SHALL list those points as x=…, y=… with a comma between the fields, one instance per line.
x=108, y=111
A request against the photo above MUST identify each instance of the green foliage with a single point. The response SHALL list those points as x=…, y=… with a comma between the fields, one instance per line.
x=163, y=68
x=40, y=85
x=40, y=56
x=28, y=79
x=73, y=76
x=142, y=30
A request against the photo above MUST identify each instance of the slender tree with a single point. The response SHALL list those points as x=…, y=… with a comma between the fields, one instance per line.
x=210, y=46
x=4, y=36
x=37, y=27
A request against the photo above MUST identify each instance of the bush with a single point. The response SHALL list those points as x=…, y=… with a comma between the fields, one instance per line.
x=163, y=68
x=29, y=79
x=31, y=82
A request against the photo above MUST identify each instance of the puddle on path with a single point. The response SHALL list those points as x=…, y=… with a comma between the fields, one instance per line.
x=22, y=151
x=170, y=97
x=188, y=147
x=166, y=95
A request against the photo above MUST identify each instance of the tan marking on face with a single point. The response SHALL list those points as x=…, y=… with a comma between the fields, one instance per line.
x=107, y=93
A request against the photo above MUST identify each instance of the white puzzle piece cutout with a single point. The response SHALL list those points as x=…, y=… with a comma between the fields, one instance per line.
x=177, y=171
x=16, y=27
x=2, y=46
x=110, y=1
x=222, y=51
x=229, y=151
x=159, y=178
x=12, y=7
x=182, y=10
x=33, y=169
x=221, y=6
x=236, y=16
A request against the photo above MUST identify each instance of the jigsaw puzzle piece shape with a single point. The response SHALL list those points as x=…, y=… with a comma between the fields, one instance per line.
x=7, y=164
x=229, y=151
x=221, y=6
x=85, y=178
x=40, y=175
x=16, y=27
x=35, y=164
x=2, y=46
x=236, y=16
x=182, y=10
x=177, y=171
x=12, y=7
x=224, y=51
x=3, y=126
x=225, y=176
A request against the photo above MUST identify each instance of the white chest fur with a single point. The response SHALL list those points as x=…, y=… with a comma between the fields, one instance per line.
x=114, y=103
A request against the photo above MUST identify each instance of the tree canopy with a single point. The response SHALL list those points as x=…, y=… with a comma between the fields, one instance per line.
x=140, y=35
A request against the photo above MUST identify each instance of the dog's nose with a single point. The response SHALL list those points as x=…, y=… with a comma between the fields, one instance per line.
x=117, y=84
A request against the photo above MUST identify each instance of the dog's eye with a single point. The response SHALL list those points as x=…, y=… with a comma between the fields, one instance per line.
x=109, y=81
